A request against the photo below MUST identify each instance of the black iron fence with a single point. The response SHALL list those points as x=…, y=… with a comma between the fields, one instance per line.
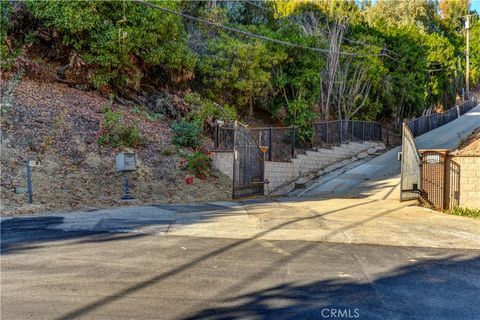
x=284, y=142
x=424, y=124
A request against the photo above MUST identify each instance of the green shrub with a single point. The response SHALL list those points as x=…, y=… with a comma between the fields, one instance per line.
x=204, y=111
x=119, y=40
x=186, y=134
x=168, y=152
x=116, y=134
x=199, y=164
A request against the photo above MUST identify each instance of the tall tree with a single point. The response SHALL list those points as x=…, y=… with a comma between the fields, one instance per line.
x=452, y=12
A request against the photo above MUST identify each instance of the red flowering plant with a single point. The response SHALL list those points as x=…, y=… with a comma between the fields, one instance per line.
x=198, y=164
x=182, y=164
x=189, y=180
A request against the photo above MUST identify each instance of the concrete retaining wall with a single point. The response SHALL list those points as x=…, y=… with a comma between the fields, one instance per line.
x=223, y=162
x=463, y=181
x=282, y=173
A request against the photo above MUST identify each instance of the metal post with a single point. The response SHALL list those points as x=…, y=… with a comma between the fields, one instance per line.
x=127, y=195
x=352, y=137
x=363, y=131
x=29, y=183
x=234, y=174
x=341, y=132
x=215, y=139
x=293, y=142
x=270, y=144
x=325, y=124
x=388, y=142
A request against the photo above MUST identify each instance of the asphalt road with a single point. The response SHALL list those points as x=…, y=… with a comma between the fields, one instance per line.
x=384, y=170
x=228, y=261
x=53, y=274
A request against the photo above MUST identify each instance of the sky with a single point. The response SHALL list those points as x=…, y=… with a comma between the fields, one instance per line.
x=475, y=5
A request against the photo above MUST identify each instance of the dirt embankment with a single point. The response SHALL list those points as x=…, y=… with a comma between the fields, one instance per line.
x=59, y=126
x=471, y=145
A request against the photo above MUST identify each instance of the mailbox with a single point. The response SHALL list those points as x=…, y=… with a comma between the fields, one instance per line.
x=33, y=163
x=126, y=161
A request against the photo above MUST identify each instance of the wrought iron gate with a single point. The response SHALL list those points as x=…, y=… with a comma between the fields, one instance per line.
x=410, y=183
x=433, y=178
x=248, y=164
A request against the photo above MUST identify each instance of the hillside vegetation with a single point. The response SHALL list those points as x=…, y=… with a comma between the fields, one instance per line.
x=61, y=127
x=84, y=80
x=390, y=60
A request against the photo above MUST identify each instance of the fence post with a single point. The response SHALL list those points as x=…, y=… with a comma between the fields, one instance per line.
x=215, y=137
x=352, y=134
x=363, y=131
x=388, y=138
x=270, y=144
x=325, y=124
x=341, y=131
x=293, y=142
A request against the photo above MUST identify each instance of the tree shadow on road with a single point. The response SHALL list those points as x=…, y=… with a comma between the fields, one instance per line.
x=435, y=289
x=19, y=234
x=189, y=265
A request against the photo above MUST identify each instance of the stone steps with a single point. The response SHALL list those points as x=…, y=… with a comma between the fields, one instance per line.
x=337, y=156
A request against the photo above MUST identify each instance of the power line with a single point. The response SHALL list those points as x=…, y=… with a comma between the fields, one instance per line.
x=249, y=34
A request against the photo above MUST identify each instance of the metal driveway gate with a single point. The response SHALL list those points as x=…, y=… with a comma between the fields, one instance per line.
x=248, y=164
x=433, y=178
x=410, y=179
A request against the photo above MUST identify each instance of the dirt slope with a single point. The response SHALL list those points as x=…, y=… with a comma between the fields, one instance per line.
x=59, y=126
x=471, y=145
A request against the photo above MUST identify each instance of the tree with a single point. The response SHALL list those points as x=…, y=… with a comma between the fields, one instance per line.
x=238, y=72
x=400, y=13
x=475, y=53
x=452, y=12
x=119, y=40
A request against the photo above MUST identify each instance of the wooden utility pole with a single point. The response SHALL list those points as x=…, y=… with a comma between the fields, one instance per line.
x=467, y=56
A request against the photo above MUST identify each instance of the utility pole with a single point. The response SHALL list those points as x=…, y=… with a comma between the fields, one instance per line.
x=467, y=56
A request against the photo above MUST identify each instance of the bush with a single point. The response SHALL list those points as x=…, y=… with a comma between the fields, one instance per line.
x=204, y=111
x=119, y=40
x=186, y=134
x=199, y=164
x=117, y=134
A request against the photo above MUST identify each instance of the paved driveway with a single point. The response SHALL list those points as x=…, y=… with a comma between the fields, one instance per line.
x=364, y=220
x=380, y=177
